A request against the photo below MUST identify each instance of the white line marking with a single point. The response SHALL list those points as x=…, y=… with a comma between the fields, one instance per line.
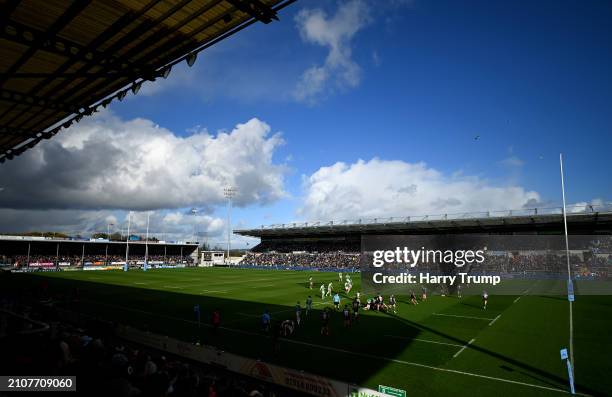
x=464, y=347
x=372, y=356
x=494, y=320
x=455, y=315
x=454, y=371
x=216, y=292
x=172, y=287
x=423, y=340
x=140, y=283
x=248, y=315
x=517, y=299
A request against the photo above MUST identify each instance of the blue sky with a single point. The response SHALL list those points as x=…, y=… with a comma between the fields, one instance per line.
x=414, y=82
x=532, y=79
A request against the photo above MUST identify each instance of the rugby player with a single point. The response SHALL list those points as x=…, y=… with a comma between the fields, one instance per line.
x=336, y=300
x=356, y=305
x=265, y=321
x=346, y=313
x=287, y=327
x=325, y=322
x=298, y=313
x=393, y=303
x=485, y=299
x=413, y=298
x=308, y=305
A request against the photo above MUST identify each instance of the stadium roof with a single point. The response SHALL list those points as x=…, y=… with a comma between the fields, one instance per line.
x=61, y=60
x=581, y=219
x=34, y=239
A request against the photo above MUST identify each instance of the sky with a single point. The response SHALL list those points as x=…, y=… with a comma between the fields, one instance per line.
x=342, y=110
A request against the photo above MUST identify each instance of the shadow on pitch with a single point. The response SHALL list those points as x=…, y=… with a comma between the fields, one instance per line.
x=171, y=313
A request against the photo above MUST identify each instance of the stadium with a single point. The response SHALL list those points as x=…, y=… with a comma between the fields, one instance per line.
x=430, y=348
x=459, y=303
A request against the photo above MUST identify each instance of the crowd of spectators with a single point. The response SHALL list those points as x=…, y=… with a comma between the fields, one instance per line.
x=517, y=263
x=602, y=245
x=78, y=260
x=105, y=365
x=327, y=260
x=544, y=263
x=315, y=246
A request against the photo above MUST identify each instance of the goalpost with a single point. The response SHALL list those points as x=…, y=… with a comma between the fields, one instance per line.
x=570, y=292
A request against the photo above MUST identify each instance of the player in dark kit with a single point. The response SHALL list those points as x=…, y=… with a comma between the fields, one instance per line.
x=346, y=313
x=287, y=327
x=308, y=305
x=265, y=321
x=298, y=314
x=325, y=322
x=216, y=320
x=413, y=298
x=355, y=310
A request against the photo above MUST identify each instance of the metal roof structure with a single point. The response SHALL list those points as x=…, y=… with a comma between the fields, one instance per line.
x=6, y=239
x=62, y=60
x=582, y=219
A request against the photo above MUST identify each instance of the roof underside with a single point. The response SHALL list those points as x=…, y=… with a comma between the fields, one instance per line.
x=579, y=223
x=60, y=60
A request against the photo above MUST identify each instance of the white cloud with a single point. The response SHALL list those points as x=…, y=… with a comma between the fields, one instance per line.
x=583, y=206
x=339, y=71
x=512, y=162
x=162, y=224
x=105, y=162
x=381, y=188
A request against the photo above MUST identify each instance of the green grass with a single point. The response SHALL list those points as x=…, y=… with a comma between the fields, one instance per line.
x=421, y=349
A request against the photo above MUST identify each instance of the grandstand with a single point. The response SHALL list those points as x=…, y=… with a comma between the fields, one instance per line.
x=52, y=253
x=336, y=244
